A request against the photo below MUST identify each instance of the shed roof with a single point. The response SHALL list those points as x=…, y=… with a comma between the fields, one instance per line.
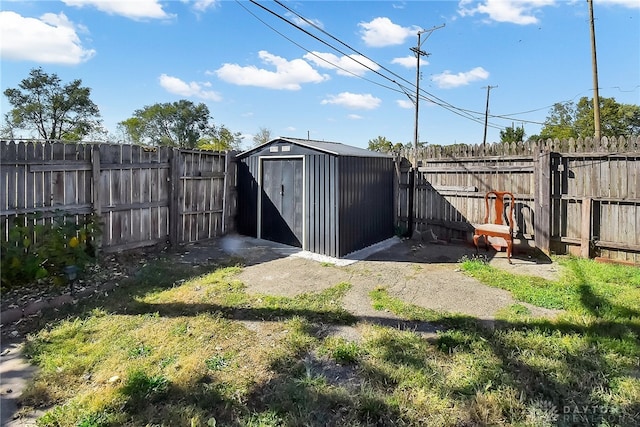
x=335, y=148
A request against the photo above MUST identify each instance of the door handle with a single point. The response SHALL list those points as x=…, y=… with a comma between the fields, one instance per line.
x=282, y=190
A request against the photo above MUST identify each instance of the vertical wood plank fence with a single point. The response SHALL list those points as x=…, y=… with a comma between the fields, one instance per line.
x=575, y=196
x=142, y=196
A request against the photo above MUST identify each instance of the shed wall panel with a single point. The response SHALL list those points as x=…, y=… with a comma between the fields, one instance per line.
x=247, y=219
x=366, y=202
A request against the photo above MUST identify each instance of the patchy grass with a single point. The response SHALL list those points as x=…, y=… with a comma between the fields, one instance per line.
x=178, y=347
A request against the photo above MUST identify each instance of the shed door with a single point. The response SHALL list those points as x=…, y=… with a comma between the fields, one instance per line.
x=281, y=201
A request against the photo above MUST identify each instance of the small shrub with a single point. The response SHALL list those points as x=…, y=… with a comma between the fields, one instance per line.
x=33, y=248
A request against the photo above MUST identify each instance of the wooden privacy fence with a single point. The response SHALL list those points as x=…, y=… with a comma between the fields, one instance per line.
x=577, y=196
x=142, y=196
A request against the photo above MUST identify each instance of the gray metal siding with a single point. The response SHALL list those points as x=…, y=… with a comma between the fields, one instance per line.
x=366, y=202
x=322, y=236
x=247, y=217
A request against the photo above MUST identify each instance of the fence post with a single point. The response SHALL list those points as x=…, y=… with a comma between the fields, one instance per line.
x=174, y=198
x=585, y=229
x=228, y=197
x=97, y=200
x=413, y=175
x=542, y=199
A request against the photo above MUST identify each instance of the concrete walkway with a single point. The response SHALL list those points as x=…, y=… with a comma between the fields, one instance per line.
x=15, y=371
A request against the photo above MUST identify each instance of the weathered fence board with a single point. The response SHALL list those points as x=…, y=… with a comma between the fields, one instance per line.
x=606, y=182
x=579, y=196
x=131, y=189
x=449, y=193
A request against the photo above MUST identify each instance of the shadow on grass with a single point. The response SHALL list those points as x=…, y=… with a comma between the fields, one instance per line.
x=578, y=379
x=575, y=384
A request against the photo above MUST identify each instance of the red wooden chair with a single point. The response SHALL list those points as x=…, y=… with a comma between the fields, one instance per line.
x=493, y=225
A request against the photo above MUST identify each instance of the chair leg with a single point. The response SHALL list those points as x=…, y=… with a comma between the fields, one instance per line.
x=509, y=248
x=475, y=241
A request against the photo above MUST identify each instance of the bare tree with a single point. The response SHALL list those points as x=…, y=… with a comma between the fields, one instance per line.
x=262, y=137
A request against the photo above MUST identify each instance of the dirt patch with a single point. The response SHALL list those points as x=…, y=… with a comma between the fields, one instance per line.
x=427, y=275
x=424, y=274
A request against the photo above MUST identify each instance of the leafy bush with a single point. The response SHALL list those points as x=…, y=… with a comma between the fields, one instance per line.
x=33, y=248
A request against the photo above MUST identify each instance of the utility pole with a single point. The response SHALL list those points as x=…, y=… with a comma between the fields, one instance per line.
x=418, y=52
x=416, y=102
x=486, y=116
x=594, y=66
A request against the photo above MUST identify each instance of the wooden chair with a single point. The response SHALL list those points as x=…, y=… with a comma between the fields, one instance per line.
x=495, y=227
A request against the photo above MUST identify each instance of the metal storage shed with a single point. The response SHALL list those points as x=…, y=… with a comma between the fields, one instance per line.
x=324, y=197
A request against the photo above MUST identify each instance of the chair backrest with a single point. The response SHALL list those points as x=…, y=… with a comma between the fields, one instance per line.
x=499, y=207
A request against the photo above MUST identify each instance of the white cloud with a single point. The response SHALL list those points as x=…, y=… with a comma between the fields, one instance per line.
x=521, y=12
x=409, y=61
x=203, y=5
x=382, y=32
x=136, y=10
x=405, y=103
x=352, y=65
x=178, y=87
x=302, y=23
x=354, y=117
x=447, y=80
x=289, y=75
x=363, y=101
x=52, y=39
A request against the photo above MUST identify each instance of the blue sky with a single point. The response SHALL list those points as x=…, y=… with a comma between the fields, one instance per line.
x=255, y=70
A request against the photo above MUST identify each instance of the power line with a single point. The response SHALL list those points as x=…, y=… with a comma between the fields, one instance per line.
x=311, y=52
x=462, y=112
x=442, y=103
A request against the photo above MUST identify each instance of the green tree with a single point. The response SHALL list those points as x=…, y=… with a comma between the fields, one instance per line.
x=512, y=134
x=178, y=124
x=615, y=119
x=132, y=130
x=560, y=122
x=221, y=139
x=41, y=103
x=383, y=145
x=262, y=137
x=568, y=120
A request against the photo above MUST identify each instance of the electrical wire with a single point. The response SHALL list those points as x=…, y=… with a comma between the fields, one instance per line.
x=462, y=112
x=458, y=111
x=467, y=114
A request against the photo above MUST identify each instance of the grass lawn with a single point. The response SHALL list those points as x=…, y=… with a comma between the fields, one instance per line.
x=174, y=346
